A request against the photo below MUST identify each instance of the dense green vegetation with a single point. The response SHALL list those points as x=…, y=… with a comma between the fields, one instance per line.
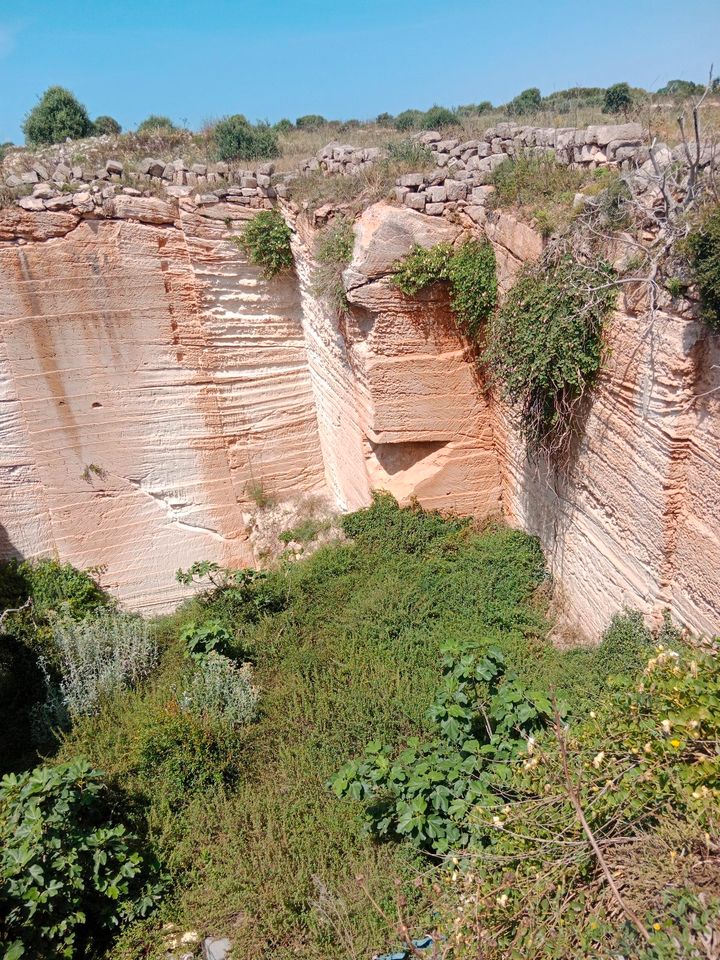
x=333, y=252
x=266, y=241
x=156, y=123
x=470, y=271
x=235, y=138
x=545, y=344
x=58, y=115
x=704, y=247
x=418, y=635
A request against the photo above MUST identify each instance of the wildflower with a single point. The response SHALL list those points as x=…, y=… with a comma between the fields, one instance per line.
x=530, y=745
x=675, y=742
x=648, y=747
x=502, y=900
x=666, y=726
x=497, y=822
x=597, y=762
x=657, y=926
x=592, y=714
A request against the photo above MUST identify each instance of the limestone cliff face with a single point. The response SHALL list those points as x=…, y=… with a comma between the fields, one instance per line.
x=152, y=382
x=151, y=379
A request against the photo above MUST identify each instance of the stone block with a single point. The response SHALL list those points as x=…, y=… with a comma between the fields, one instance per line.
x=415, y=201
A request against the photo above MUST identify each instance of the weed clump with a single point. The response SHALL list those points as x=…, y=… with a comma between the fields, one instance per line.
x=333, y=252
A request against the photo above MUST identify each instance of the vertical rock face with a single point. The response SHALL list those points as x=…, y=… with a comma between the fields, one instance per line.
x=634, y=520
x=150, y=379
x=153, y=385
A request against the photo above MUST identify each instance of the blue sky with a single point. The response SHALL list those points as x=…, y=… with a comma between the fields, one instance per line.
x=194, y=61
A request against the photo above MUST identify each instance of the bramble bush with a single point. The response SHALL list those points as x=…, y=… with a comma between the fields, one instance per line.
x=70, y=873
x=545, y=344
x=266, y=241
x=470, y=270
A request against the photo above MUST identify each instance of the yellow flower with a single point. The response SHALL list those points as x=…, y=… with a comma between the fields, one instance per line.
x=675, y=743
x=657, y=926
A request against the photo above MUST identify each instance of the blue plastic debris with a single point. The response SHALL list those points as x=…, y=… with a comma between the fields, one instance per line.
x=423, y=943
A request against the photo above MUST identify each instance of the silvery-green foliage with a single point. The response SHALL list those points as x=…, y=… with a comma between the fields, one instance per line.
x=220, y=689
x=101, y=655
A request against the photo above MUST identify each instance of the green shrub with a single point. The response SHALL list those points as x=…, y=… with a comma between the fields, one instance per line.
x=237, y=139
x=220, y=691
x=436, y=118
x=473, y=285
x=385, y=119
x=70, y=873
x=704, y=246
x=470, y=270
x=529, y=101
x=545, y=344
x=106, y=126
x=626, y=644
x=618, y=99
x=475, y=109
x=56, y=117
x=266, y=241
x=310, y=121
x=483, y=714
x=410, y=153
x=199, y=640
x=101, y=655
x=333, y=252
x=408, y=120
x=156, y=123
x=284, y=125
x=182, y=754
x=40, y=592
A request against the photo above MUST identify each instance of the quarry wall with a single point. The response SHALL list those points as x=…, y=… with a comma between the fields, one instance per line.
x=153, y=383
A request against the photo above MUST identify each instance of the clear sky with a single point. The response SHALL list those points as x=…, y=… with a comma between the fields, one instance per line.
x=194, y=61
